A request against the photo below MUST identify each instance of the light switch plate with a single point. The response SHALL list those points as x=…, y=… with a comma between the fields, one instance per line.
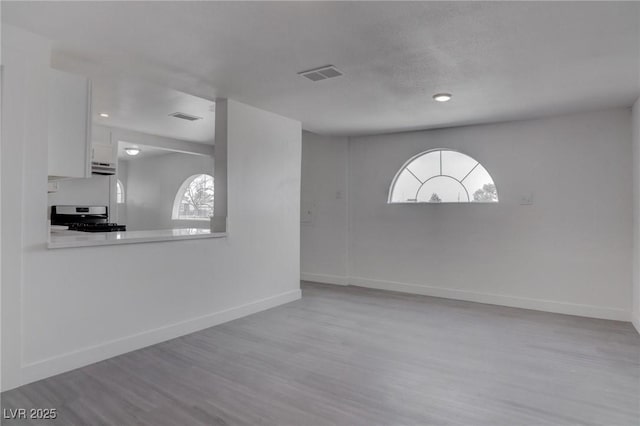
x=527, y=199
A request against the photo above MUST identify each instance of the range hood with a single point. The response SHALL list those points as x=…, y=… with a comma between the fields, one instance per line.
x=103, y=168
x=103, y=159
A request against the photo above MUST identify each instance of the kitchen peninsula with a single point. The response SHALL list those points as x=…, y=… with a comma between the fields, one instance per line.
x=69, y=239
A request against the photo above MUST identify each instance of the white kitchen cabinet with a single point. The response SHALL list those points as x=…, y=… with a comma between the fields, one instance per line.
x=69, y=125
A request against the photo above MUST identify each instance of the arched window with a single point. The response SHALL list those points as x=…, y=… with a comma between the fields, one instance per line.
x=194, y=200
x=442, y=176
x=119, y=192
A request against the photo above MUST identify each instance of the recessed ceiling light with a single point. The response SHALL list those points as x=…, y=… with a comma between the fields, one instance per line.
x=442, y=97
x=104, y=115
x=132, y=151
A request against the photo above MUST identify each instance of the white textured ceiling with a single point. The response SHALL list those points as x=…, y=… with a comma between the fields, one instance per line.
x=501, y=60
x=138, y=105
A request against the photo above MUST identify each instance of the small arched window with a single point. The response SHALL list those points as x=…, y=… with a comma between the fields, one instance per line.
x=119, y=192
x=442, y=176
x=194, y=200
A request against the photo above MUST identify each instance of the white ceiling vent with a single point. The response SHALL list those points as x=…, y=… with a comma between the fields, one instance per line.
x=185, y=116
x=322, y=73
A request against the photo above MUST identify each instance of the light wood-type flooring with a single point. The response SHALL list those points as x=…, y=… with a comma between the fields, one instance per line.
x=354, y=356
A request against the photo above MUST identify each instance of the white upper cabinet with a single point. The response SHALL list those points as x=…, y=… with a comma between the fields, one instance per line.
x=69, y=125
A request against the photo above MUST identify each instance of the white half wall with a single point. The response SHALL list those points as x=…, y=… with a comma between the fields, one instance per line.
x=323, y=218
x=71, y=307
x=568, y=252
x=23, y=85
x=636, y=215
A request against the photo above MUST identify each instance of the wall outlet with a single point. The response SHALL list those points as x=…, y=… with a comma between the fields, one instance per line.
x=306, y=213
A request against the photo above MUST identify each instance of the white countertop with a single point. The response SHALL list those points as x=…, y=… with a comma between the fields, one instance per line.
x=65, y=239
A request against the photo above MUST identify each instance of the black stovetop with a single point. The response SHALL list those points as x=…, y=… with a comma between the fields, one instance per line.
x=97, y=227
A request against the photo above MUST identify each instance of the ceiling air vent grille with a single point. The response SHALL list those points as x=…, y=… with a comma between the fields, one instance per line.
x=322, y=73
x=185, y=116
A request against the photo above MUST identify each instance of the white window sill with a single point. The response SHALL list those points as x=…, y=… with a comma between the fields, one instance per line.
x=68, y=239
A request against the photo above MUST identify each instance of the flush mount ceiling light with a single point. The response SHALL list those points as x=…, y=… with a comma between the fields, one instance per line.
x=442, y=97
x=132, y=151
x=104, y=115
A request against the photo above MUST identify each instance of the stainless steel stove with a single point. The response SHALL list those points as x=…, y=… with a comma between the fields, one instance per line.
x=84, y=218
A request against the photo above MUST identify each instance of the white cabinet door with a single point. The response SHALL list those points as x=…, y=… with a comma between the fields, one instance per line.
x=69, y=125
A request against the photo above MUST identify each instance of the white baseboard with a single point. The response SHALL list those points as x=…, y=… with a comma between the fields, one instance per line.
x=488, y=298
x=498, y=299
x=72, y=360
x=327, y=279
x=636, y=321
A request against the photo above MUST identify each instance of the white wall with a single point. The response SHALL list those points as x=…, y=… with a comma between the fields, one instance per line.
x=568, y=252
x=323, y=251
x=178, y=146
x=68, y=307
x=22, y=88
x=151, y=185
x=1, y=136
x=636, y=215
